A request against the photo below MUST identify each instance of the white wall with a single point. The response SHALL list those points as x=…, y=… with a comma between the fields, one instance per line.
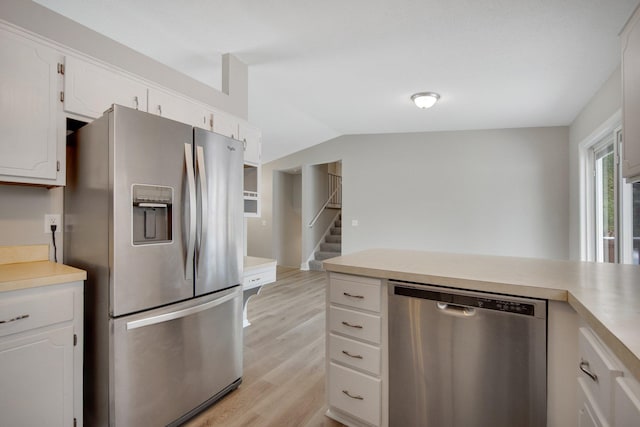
x=287, y=224
x=502, y=192
x=605, y=103
x=22, y=208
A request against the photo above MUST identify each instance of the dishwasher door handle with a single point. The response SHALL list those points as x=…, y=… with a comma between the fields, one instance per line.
x=456, y=310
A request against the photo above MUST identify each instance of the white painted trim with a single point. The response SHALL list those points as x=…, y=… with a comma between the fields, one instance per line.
x=587, y=249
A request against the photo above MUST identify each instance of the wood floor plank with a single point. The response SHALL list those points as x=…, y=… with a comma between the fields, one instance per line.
x=284, y=359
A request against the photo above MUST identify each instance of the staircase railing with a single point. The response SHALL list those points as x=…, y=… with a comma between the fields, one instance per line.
x=334, y=199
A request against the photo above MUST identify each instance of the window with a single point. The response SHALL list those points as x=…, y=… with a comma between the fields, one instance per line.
x=607, y=246
x=613, y=217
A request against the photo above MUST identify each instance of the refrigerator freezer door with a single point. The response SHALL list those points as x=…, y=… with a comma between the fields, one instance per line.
x=148, y=152
x=219, y=247
x=168, y=361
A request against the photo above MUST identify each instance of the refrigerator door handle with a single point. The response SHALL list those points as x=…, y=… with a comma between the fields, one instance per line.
x=204, y=200
x=161, y=318
x=188, y=159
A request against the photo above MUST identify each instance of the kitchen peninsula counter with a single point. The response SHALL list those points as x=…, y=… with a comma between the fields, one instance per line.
x=607, y=296
x=24, y=267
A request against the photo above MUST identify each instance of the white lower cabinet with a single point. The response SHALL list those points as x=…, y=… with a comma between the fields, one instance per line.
x=589, y=414
x=626, y=402
x=356, y=364
x=355, y=353
x=41, y=356
x=608, y=395
x=355, y=393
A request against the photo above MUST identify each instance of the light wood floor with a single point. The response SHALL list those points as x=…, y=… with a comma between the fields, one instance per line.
x=283, y=380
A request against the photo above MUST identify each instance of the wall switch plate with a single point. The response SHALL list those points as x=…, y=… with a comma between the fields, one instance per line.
x=49, y=220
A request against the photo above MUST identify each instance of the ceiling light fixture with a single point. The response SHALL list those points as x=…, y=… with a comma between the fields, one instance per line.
x=425, y=99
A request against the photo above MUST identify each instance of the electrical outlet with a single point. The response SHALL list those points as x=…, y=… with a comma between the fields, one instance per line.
x=49, y=220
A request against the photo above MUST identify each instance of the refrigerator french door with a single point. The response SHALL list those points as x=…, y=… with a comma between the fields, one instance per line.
x=153, y=213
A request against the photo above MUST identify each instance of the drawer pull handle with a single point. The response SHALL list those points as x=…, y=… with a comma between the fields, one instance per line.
x=351, y=326
x=347, y=294
x=22, y=316
x=584, y=367
x=355, y=356
x=353, y=397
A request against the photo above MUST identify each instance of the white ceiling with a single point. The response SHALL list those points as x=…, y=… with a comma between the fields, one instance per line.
x=324, y=68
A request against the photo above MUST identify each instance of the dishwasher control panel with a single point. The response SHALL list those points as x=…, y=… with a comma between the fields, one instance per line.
x=468, y=301
x=509, y=306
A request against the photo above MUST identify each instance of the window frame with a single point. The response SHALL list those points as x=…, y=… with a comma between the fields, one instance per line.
x=587, y=186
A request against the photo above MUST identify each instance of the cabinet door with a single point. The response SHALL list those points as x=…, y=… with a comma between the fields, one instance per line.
x=37, y=379
x=30, y=111
x=225, y=124
x=176, y=108
x=251, y=138
x=90, y=89
x=631, y=98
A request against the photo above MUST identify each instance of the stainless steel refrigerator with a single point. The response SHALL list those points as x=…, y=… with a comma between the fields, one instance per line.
x=154, y=214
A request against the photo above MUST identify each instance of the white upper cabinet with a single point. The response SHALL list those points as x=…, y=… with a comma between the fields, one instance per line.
x=31, y=121
x=90, y=89
x=631, y=98
x=175, y=107
x=251, y=138
x=225, y=124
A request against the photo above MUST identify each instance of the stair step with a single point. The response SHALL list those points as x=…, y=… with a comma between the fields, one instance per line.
x=316, y=265
x=336, y=230
x=321, y=255
x=331, y=247
x=334, y=239
x=338, y=223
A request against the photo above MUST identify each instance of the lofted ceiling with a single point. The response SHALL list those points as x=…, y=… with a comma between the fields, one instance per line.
x=320, y=69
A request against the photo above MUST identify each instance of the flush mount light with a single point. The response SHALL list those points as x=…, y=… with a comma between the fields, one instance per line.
x=425, y=99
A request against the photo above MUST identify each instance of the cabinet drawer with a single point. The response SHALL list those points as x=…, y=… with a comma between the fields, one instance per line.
x=595, y=360
x=29, y=311
x=589, y=413
x=355, y=353
x=259, y=279
x=355, y=324
x=355, y=393
x=346, y=291
x=626, y=411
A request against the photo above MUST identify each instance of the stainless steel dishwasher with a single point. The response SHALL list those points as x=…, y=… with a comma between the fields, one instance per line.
x=465, y=359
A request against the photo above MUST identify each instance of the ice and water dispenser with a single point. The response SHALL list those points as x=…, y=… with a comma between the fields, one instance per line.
x=152, y=206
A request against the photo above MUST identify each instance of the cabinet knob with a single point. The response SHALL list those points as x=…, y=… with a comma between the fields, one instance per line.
x=584, y=367
x=352, y=326
x=358, y=397
x=347, y=294
x=22, y=316
x=354, y=356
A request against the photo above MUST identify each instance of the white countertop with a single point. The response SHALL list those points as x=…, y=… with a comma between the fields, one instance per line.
x=606, y=295
x=252, y=262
